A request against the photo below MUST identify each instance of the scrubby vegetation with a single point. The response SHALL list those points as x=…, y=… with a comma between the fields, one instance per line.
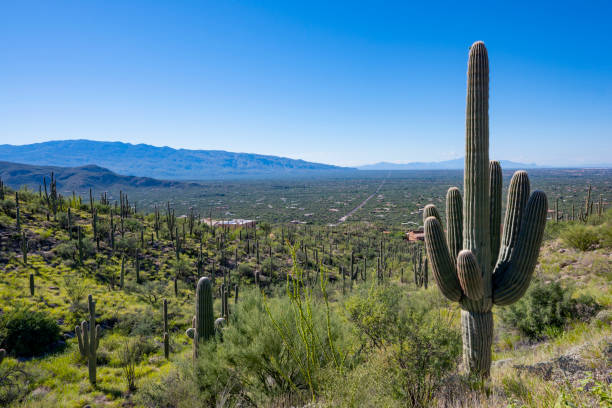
x=334, y=315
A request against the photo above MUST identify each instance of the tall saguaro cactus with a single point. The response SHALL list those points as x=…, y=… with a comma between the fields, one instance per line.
x=203, y=321
x=473, y=264
x=89, y=341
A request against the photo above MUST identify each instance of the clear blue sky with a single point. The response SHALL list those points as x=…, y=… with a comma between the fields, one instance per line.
x=336, y=82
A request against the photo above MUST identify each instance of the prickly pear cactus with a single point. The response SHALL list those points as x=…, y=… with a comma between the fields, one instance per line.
x=203, y=327
x=472, y=264
x=89, y=341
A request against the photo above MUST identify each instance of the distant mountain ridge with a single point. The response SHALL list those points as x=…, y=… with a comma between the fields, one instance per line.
x=162, y=162
x=78, y=179
x=454, y=164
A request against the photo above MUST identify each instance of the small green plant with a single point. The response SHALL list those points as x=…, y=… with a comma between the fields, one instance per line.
x=546, y=309
x=26, y=332
x=129, y=356
x=580, y=236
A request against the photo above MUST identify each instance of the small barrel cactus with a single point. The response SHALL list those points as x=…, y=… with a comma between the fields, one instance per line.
x=473, y=264
x=88, y=335
x=203, y=327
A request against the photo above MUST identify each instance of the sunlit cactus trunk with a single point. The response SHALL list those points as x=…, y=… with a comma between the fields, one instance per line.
x=473, y=263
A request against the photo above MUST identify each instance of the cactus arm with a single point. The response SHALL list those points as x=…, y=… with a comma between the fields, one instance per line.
x=430, y=210
x=98, y=329
x=79, y=334
x=442, y=265
x=190, y=332
x=512, y=282
x=495, y=189
x=470, y=276
x=454, y=222
x=84, y=329
x=518, y=194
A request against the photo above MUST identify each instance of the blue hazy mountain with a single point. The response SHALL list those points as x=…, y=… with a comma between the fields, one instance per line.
x=162, y=162
x=79, y=179
x=441, y=165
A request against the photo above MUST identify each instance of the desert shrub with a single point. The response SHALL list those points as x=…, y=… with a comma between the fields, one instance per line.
x=140, y=323
x=7, y=206
x=264, y=347
x=547, y=308
x=130, y=356
x=246, y=270
x=126, y=244
x=66, y=250
x=420, y=343
x=578, y=236
x=14, y=382
x=132, y=225
x=176, y=389
x=62, y=220
x=25, y=332
x=605, y=235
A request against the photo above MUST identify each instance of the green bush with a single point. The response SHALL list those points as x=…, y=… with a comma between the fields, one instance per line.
x=420, y=343
x=66, y=250
x=546, y=309
x=27, y=333
x=580, y=236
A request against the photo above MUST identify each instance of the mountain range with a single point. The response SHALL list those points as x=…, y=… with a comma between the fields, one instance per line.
x=163, y=162
x=454, y=164
x=78, y=179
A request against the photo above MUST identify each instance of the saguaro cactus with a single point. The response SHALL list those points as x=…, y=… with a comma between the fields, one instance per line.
x=166, y=332
x=203, y=321
x=89, y=341
x=477, y=267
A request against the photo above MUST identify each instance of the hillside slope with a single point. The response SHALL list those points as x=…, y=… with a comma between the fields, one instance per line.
x=77, y=179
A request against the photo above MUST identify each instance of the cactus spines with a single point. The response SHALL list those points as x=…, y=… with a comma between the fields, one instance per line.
x=88, y=335
x=203, y=322
x=489, y=269
x=31, y=284
x=166, y=332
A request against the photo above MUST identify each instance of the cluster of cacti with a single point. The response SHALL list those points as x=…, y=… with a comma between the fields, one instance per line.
x=420, y=267
x=467, y=267
x=166, y=331
x=170, y=220
x=51, y=198
x=88, y=335
x=203, y=325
